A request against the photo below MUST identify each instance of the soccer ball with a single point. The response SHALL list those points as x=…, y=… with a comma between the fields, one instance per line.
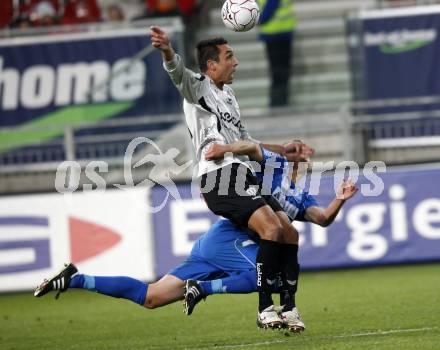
x=240, y=15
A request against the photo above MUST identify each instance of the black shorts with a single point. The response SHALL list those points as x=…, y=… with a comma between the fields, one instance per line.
x=235, y=193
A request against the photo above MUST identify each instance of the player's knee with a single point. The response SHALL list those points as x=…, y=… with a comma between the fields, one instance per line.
x=151, y=303
x=151, y=299
x=272, y=232
x=290, y=235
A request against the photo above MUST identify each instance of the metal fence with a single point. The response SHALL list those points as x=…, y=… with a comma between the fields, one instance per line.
x=408, y=133
x=395, y=137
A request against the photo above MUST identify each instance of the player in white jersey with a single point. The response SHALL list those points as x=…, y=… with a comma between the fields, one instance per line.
x=229, y=185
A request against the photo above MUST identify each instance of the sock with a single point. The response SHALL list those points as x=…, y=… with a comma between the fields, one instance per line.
x=117, y=287
x=244, y=282
x=268, y=266
x=289, y=278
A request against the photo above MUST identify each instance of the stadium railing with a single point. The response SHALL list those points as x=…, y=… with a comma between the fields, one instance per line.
x=364, y=136
x=406, y=130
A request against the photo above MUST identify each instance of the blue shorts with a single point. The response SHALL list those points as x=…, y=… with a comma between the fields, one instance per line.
x=223, y=251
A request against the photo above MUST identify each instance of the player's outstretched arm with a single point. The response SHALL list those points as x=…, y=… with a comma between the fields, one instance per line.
x=160, y=40
x=217, y=151
x=295, y=151
x=325, y=216
x=186, y=81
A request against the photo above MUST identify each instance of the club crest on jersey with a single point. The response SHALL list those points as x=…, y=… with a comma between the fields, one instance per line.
x=229, y=101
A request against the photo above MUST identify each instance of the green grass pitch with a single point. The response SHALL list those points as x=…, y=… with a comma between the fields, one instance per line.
x=376, y=308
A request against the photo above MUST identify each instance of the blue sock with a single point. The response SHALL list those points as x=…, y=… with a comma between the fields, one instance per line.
x=117, y=287
x=244, y=282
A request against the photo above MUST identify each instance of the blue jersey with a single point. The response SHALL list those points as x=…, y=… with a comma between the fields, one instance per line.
x=275, y=174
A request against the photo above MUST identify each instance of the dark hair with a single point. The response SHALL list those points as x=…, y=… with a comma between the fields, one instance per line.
x=208, y=50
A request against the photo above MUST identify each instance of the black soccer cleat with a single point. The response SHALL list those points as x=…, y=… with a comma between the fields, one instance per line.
x=193, y=294
x=59, y=282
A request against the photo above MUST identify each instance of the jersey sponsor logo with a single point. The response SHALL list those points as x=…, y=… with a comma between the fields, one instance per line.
x=229, y=119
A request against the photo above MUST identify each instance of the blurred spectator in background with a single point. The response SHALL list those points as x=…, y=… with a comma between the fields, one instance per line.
x=131, y=9
x=6, y=13
x=114, y=14
x=81, y=11
x=161, y=8
x=276, y=30
x=189, y=10
x=43, y=14
x=22, y=22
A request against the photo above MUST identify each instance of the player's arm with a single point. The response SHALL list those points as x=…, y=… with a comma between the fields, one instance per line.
x=279, y=149
x=325, y=216
x=217, y=151
x=295, y=151
x=186, y=81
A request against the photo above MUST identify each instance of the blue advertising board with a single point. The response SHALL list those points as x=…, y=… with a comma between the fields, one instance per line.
x=401, y=54
x=400, y=225
x=81, y=78
x=44, y=77
x=394, y=55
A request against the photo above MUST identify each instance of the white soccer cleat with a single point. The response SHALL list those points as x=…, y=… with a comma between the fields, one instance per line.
x=269, y=318
x=292, y=320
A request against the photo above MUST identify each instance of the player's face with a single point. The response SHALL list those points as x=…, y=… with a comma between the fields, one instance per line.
x=226, y=64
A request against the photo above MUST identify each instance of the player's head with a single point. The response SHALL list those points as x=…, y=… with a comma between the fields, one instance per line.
x=216, y=59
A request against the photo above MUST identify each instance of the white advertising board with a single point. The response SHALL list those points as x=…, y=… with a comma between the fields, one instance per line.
x=102, y=233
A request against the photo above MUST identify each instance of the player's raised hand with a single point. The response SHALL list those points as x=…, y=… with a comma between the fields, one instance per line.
x=160, y=39
x=347, y=190
x=298, y=151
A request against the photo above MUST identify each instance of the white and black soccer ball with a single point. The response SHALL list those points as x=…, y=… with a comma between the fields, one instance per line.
x=240, y=15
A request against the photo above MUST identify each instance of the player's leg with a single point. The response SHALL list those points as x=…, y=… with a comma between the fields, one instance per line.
x=241, y=283
x=234, y=253
x=234, y=193
x=165, y=291
x=289, y=256
x=289, y=275
x=115, y=286
x=224, y=254
x=123, y=287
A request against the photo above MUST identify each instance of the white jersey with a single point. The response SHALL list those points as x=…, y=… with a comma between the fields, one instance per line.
x=212, y=115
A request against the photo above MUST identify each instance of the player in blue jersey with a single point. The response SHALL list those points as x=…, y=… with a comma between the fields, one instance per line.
x=223, y=260
x=276, y=174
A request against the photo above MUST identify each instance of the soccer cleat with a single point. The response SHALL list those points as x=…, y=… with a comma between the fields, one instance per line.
x=193, y=294
x=59, y=282
x=292, y=320
x=269, y=318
